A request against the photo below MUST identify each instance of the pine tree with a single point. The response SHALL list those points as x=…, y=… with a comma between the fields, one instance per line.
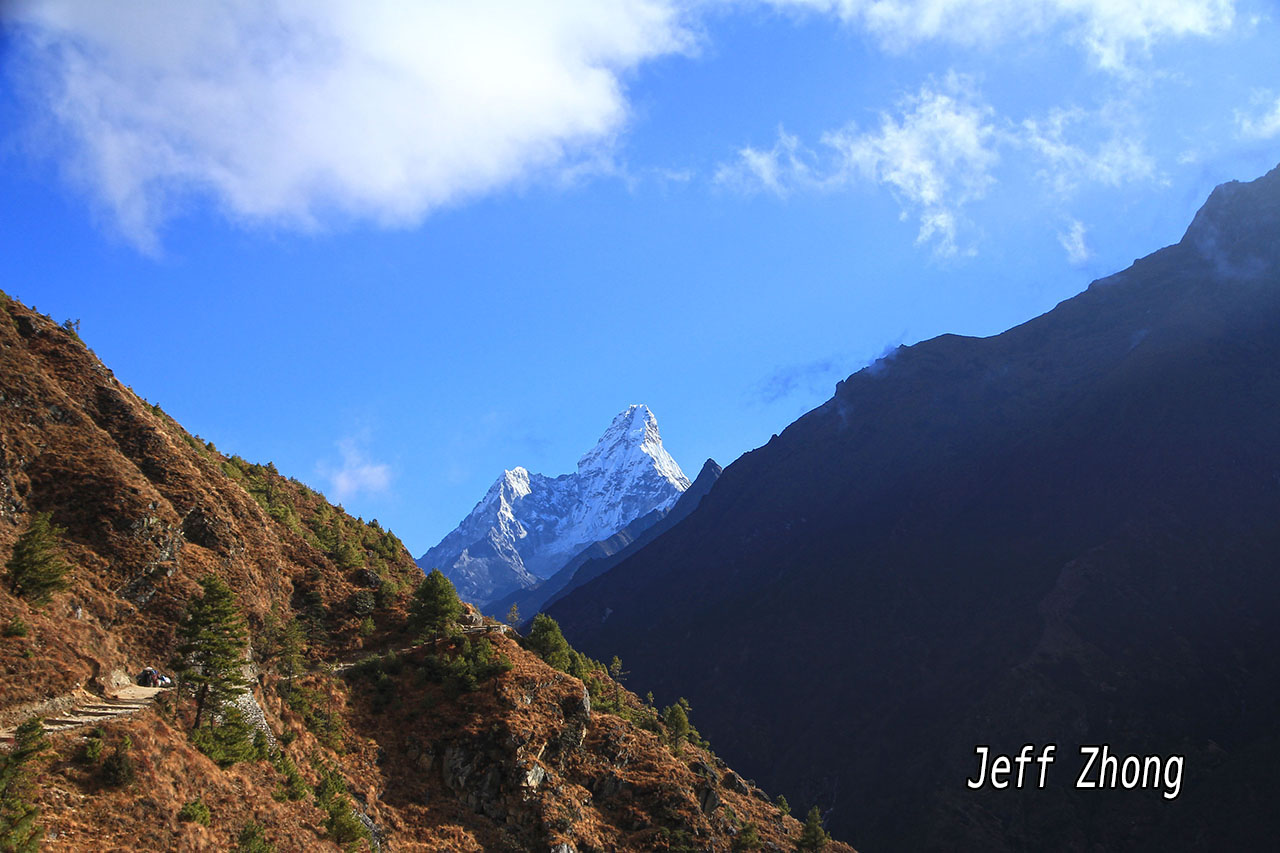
x=18, y=829
x=546, y=639
x=37, y=569
x=349, y=556
x=747, y=839
x=293, y=642
x=783, y=805
x=618, y=674
x=813, y=837
x=212, y=643
x=677, y=723
x=435, y=605
x=513, y=616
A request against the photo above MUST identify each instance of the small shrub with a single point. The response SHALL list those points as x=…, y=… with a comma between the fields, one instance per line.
x=342, y=825
x=117, y=769
x=391, y=663
x=195, y=812
x=747, y=839
x=92, y=750
x=319, y=719
x=331, y=785
x=253, y=839
x=366, y=627
x=261, y=746
x=783, y=805
x=293, y=787
x=15, y=627
x=384, y=692
x=363, y=602
x=228, y=742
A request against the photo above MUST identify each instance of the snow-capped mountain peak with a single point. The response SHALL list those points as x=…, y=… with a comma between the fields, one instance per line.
x=632, y=440
x=528, y=526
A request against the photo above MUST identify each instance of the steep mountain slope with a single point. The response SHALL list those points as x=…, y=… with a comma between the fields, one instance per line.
x=1066, y=533
x=473, y=743
x=600, y=557
x=528, y=526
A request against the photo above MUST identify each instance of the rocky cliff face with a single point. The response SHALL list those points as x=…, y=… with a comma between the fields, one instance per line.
x=1065, y=533
x=525, y=760
x=528, y=526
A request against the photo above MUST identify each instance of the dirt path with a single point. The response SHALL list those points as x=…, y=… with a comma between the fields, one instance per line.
x=90, y=710
x=470, y=630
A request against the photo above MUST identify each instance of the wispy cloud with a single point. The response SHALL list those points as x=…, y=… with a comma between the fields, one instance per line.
x=1112, y=32
x=940, y=149
x=791, y=379
x=1073, y=241
x=295, y=114
x=936, y=155
x=1264, y=124
x=357, y=474
x=777, y=170
x=1118, y=159
x=934, y=151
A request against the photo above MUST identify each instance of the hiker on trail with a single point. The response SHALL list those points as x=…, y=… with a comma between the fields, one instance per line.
x=149, y=677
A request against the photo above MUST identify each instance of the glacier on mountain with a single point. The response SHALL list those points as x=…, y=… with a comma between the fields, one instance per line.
x=527, y=526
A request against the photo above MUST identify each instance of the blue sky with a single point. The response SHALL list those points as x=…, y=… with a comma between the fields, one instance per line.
x=398, y=249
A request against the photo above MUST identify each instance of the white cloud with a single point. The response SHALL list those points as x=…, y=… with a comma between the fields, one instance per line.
x=1263, y=126
x=937, y=156
x=777, y=170
x=1119, y=159
x=294, y=112
x=1110, y=30
x=358, y=474
x=936, y=153
x=1073, y=241
x=940, y=150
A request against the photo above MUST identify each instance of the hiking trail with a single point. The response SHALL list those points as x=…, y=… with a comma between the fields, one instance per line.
x=91, y=710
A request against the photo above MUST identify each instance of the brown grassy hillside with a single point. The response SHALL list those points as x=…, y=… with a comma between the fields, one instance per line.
x=521, y=760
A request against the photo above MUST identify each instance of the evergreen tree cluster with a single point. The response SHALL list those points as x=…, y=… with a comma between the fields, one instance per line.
x=37, y=569
x=19, y=831
x=350, y=542
x=603, y=683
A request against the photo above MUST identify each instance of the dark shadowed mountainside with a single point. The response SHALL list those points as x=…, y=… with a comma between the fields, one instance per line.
x=1066, y=533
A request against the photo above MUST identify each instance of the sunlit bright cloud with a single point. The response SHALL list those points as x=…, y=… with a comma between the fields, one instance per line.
x=293, y=112
x=300, y=114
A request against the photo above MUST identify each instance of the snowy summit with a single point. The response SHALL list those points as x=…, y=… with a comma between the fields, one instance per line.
x=528, y=526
